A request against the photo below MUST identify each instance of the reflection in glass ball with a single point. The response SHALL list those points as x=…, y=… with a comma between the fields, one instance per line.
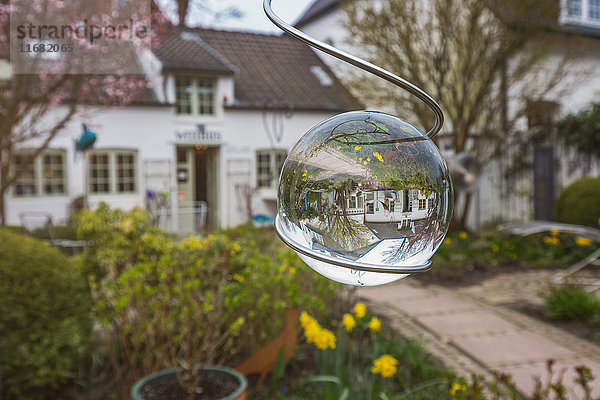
x=364, y=198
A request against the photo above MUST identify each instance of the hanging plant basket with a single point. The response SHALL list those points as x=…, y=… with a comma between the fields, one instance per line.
x=217, y=383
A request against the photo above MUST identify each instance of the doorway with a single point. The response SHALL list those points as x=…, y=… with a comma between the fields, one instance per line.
x=197, y=187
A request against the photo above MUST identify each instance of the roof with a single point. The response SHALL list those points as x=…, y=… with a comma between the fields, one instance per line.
x=186, y=51
x=269, y=71
x=316, y=10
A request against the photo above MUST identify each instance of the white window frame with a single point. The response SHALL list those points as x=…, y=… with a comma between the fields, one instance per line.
x=584, y=17
x=202, y=101
x=113, y=166
x=422, y=204
x=267, y=172
x=40, y=179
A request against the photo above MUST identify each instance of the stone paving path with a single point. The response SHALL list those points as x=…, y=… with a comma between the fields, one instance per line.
x=470, y=330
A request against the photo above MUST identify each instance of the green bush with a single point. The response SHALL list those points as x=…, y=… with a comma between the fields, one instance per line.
x=574, y=303
x=44, y=318
x=579, y=203
x=229, y=290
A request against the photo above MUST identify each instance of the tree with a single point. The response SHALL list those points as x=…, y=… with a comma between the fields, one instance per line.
x=41, y=94
x=470, y=55
x=215, y=10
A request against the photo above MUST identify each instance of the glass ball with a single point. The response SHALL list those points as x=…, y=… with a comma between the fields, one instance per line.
x=364, y=198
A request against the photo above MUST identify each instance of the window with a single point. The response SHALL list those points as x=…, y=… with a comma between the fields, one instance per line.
x=422, y=204
x=594, y=10
x=370, y=205
x=268, y=166
x=352, y=202
x=574, y=8
x=195, y=96
x=112, y=171
x=43, y=175
x=582, y=12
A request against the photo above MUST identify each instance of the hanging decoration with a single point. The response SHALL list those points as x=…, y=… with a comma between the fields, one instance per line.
x=364, y=198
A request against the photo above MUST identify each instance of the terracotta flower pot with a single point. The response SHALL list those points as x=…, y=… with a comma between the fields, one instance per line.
x=225, y=383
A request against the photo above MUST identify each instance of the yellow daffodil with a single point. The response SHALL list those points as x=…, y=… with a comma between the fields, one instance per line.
x=360, y=159
x=495, y=248
x=339, y=147
x=554, y=232
x=360, y=310
x=462, y=235
x=457, y=388
x=324, y=339
x=386, y=366
x=349, y=322
x=376, y=154
x=582, y=242
x=553, y=241
x=447, y=241
x=375, y=324
x=292, y=271
x=311, y=331
x=239, y=278
x=305, y=319
x=357, y=147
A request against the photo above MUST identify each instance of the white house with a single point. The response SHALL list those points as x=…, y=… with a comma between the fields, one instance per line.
x=498, y=197
x=205, y=148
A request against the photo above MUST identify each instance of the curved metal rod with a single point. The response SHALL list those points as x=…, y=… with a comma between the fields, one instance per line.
x=362, y=64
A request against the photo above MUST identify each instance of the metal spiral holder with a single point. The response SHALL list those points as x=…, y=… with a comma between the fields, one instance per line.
x=364, y=198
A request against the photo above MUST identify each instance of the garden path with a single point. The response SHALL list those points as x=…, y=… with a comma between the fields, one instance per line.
x=475, y=328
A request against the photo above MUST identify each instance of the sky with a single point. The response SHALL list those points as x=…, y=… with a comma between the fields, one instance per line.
x=253, y=17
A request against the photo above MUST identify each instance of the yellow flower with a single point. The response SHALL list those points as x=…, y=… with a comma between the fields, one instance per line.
x=376, y=154
x=554, y=232
x=239, y=278
x=364, y=162
x=385, y=366
x=339, y=147
x=305, y=319
x=324, y=339
x=349, y=322
x=360, y=159
x=582, y=242
x=447, y=241
x=457, y=387
x=462, y=235
x=368, y=159
x=357, y=147
x=235, y=248
x=360, y=310
x=495, y=248
x=375, y=324
x=292, y=271
x=553, y=241
x=311, y=331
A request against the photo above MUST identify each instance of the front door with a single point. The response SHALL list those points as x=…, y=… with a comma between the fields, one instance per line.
x=197, y=187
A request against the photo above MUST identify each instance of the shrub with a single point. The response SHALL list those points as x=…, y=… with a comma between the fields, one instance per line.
x=573, y=302
x=216, y=299
x=44, y=319
x=118, y=239
x=579, y=203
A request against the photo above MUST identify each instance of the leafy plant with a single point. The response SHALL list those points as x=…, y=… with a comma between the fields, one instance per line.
x=573, y=302
x=362, y=361
x=166, y=303
x=582, y=131
x=45, y=319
